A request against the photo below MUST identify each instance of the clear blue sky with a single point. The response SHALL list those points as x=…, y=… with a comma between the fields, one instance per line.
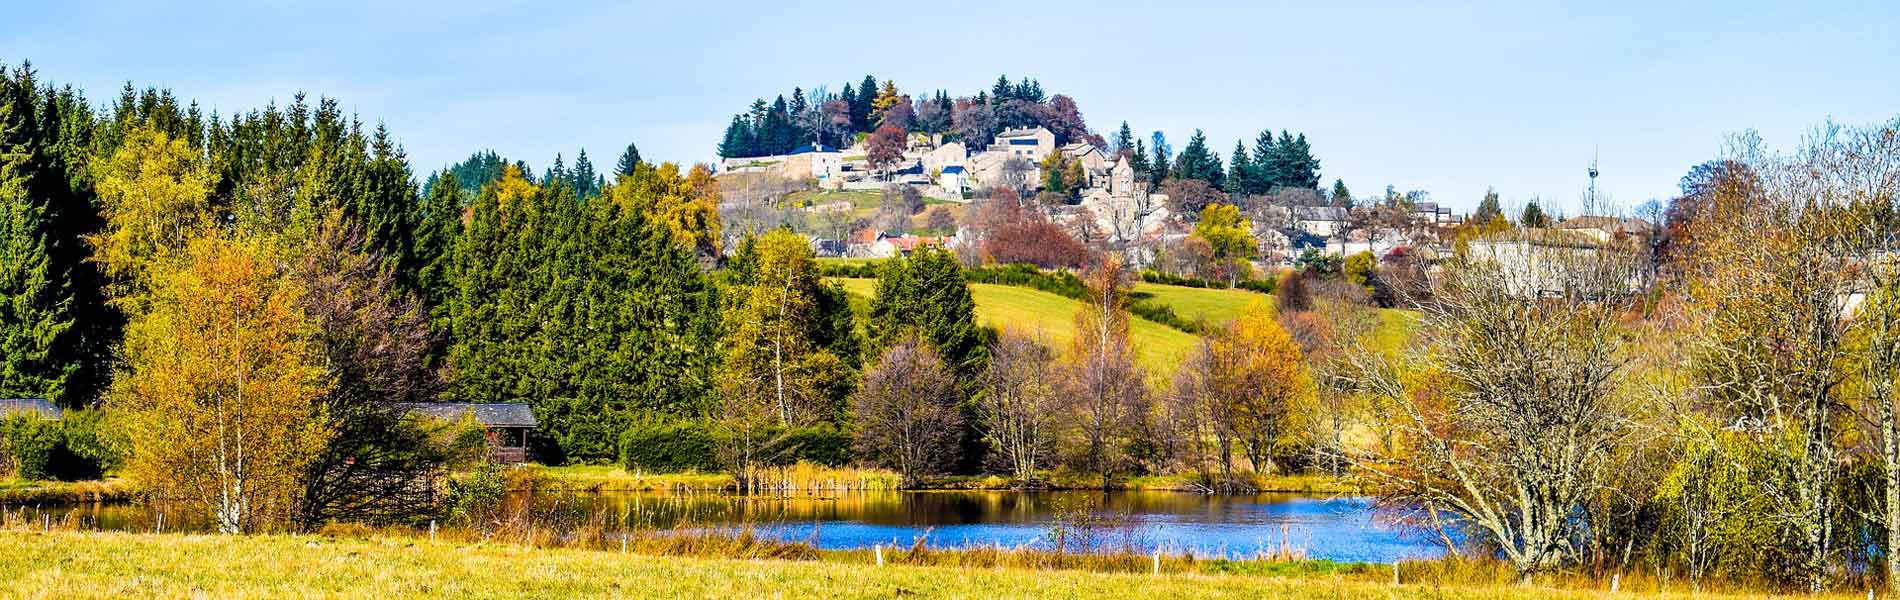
x=1449, y=100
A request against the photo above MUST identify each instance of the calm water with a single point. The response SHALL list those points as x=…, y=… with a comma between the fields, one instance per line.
x=1342, y=529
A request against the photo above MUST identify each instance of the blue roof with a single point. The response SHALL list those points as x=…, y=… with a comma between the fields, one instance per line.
x=953, y=169
x=817, y=148
x=1023, y=142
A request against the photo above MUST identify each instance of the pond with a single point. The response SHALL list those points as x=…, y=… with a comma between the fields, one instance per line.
x=1237, y=526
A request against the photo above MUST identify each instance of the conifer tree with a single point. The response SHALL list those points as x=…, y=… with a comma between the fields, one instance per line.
x=1266, y=162
x=629, y=159
x=926, y=294
x=1488, y=208
x=1533, y=216
x=583, y=177
x=1124, y=140
x=34, y=308
x=1341, y=196
x=1240, y=173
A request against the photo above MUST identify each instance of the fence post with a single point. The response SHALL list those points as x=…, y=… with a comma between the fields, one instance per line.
x=431, y=530
x=1395, y=572
x=878, y=550
x=1616, y=582
x=161, y=522
x=1157, y=561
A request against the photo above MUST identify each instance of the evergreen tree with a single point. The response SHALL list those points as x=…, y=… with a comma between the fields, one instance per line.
x=1341, y=196
x=861, y=110
x=435, y=237
x=1002, y=90
x=1196, y=162
x=1266, y=162
x=1158, y=170
x=34, y=308
x=1124, y=140
x=926, y=294
x=584, y=180
x=1533, y=216
x=1488, y=209
x=1240, y=173
x=738, y=140
x=628, y=160
x=1139, y=160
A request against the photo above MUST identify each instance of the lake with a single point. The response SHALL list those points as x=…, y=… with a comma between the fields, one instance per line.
x=1237, y=526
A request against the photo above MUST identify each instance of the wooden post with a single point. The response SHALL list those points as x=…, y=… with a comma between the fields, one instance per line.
x=1616, y=582
x=878, y=550
x=623, y=542
x=161, y=522
x=1395, y=572
x=431, y=530
x=1157, y=561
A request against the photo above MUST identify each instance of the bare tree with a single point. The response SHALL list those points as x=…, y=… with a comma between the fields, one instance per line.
x=907, y=411
x=1017, y=404
x=1105, y=389
x=1509, y=423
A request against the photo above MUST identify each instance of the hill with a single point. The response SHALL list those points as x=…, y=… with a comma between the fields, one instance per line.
x=1158, y=348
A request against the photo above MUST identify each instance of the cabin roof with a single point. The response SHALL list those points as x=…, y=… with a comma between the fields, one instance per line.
x=37, y=406
x=489, y=414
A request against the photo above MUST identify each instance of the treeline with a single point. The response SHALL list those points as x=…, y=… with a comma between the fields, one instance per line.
x=836, y=119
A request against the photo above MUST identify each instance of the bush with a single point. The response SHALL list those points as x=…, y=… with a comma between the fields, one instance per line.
x=477, y=496
x=27, y=445
x=670, y=447
x=818, y=444
x=1061, y=283
x=69, y=450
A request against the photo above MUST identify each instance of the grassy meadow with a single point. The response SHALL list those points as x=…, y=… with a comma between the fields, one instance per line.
x=1158, y=348
x=1198, y=304
x=69, y=564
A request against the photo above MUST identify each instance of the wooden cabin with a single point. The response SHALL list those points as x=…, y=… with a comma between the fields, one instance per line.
x=508, y=423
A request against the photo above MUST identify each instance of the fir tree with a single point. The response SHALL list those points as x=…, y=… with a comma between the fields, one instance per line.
x=1124, y=140
x=584, y=180
x=629, y=159
x=1341, y=196
x=1533, y=216
x=1266, y=163
x=1240, y=173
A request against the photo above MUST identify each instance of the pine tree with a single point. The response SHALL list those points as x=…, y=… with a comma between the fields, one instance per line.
x=629, y=159
x=1240, y=173
x=1488, y=208
x=34, y=308
x=1124, y=140
x=1159, y=168
x=738, y=140
x=926, y=294
x=1341, y=196
x=583, y=177
x=1002, y=90
x=861, y=110
x=1266, y=162
x=1533, y=216
x=1196, y=162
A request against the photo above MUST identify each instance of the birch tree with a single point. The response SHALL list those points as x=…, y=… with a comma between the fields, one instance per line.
x=222, y=385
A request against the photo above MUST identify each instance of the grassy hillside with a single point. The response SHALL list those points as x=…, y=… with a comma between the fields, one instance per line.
x=114, y=565
x=1158, y=348
x=1195, y=304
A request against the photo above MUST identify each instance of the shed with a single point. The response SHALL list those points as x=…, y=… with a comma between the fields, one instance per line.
x=42, y=407
x=507, y=423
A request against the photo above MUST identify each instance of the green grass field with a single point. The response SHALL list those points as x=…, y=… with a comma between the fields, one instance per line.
x=1158, y=348
x=61, y=564
x=1195, y=304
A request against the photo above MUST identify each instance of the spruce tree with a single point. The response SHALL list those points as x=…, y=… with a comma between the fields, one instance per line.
x=926, y=294
x=1124, y=139
x=861, y=110
x=1533, y=216
x=585, y=180
x=1265, y=162
x=628, y=160
x=435, y=238
x=1341, y=196
x=1240, y=173
x=1488, y=208
x=34, y=308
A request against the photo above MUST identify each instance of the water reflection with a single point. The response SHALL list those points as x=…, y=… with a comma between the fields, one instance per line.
x=1232, y=525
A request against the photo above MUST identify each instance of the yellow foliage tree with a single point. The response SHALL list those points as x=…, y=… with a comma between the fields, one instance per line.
x=154, y=192
x=886, y=98
x=222, y=384
x=688, y=205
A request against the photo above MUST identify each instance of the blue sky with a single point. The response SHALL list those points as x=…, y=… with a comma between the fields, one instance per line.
x=1448, y=99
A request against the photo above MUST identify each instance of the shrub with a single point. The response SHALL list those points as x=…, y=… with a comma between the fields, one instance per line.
x=28, y=445
x=477, y=496
x=669, y=447
x=818, y=444
x=69, y=450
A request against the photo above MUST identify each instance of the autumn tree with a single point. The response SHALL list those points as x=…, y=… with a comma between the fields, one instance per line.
x=1017, y=404
x=1253, y=387
x=907, y=411
x=154, y=192
x=885, y=148
x=223, y=384
x=1229, y=237
x=1107, y=395
x=1511, y=421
